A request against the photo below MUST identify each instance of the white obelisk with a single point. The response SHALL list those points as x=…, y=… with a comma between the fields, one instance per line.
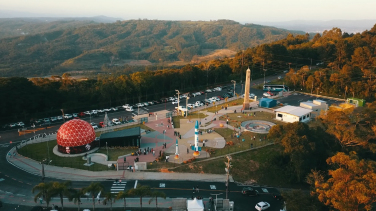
x=196, y=152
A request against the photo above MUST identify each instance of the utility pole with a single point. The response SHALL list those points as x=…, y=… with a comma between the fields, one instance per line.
x=234, y=85
x=186, y=107
x=228, y=166
x=264, y=75
x=178, y=98
x=312, y=88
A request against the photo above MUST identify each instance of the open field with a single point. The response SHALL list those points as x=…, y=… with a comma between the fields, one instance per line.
x=235, y=119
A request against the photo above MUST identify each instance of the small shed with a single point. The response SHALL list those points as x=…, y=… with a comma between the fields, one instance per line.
x=195, y=205
x=316, y=106
x=293, y=114
x=267, y=103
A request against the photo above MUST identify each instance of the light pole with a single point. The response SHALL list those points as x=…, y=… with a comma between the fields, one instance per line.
x=264, y=75
x=45, y=161
x=186, y=107
x=227, y=169
x=107, y=148
x=178, y=98
x=234, y=85
x=62, y=111
x=216, y=196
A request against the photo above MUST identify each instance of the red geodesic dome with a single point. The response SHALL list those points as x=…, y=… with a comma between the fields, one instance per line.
x=75, y=132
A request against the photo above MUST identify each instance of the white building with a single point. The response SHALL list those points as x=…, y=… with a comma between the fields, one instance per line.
x=316, y=106
x=293, y=114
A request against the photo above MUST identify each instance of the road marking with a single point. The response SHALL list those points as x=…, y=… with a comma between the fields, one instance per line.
x=213, y=187
x=118, y=186
x=5, y=145
x=135, y=184
x=265, y=190
x=162, y=185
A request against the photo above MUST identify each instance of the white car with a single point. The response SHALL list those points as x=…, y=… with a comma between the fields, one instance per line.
x=53, y=119
x=250, y=95
x=191, y=106
x=262, y=205
x=175, y=102
x=208, y=90
x=66, y=116
x=94, y=112
x=114, y=109
x=12, y=125
x=106, y=110
x=95, y=126
x=218, y=89
x=140, y=105
x=100, y=111
x=184, y=96
x=266, y=94
x=151, y=103
x=129, y=108
x=116, y=121
x=47, y=120
x=20, y=124
x=126, y=106
x=87, y=112
x=59, y=118
x=198, y=103
x=280, y=77
x=171, y=99
x=75, y=114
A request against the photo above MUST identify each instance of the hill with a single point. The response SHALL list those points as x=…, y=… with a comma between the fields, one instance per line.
x=94, y=45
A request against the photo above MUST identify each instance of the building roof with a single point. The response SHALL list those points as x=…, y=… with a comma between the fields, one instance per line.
x=135, y=131
x=266, y=100
x=294, y=110
x=309, y=103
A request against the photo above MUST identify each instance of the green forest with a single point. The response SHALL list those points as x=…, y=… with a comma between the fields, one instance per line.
x=95, y=45
x=345, y=67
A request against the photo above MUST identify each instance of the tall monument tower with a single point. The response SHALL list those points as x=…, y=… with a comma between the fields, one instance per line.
x=246, y=92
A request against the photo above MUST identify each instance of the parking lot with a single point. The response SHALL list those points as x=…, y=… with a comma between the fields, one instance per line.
x=296, y=98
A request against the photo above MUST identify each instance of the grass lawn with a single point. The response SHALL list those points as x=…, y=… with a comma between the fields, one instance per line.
x=234, y=144
x=245, y=166
x=39, y=152
x=193, y=115
x=235, y=119
x=114, y=153
x=142, y=126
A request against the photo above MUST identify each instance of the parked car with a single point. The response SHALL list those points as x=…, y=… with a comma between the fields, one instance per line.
x=53, y=119
x=171, y=99
x=208, y=91
x=87, y=112
x=68, y=116
x=220, y=98
x=277, y=196
x=114, y=109
x=163, y=100
x=218, y=89
x=129, y=109
x=47, y=120
x=106, y=110
x=198, y=103
x=59, y=118
x=95, y=126
x=100, y=111
x=126, y=106
x=20, y=124
x=116, y=121
x=262, y=205
x=191, y=106
x=75, y=115
x=156, y=102
x=202, y=92
x=151, y=103
x=12, y=125
x=280, y=77
x=146, y=104
x=175, y=102
x=265, y=94
x=139, y=105
x=94, y=112
x=248, y=191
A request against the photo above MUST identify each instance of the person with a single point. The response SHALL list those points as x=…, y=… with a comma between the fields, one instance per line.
x=153, y=153
x=187, y=150
x=197, y=189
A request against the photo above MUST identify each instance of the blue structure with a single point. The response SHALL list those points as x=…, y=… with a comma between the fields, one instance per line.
x=267, y=103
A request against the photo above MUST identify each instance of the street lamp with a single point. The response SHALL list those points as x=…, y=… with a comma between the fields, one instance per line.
x=227, y=169
x=45, y=161
x=107, y=148
x=186, y=107
x=178, y=98
x=264, y=75
x=232, y=81
x=62, y=111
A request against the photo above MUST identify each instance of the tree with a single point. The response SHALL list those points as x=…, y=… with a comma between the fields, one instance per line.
x=297, y=200
x=362, y=57
x=94, y=189
x=141, y=191
x=44, y=191
x=123, y=195
x=351, y=183
x=155, y=195
x=61, y=189
x=109, y=197
x=75, y=196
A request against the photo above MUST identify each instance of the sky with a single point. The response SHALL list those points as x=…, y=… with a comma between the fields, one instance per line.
x=239, y=10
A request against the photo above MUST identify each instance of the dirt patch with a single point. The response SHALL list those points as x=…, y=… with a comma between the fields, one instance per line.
x=253, y=165
x=164, y=170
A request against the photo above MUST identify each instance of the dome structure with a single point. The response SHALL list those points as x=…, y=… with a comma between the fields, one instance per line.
x=75, y=136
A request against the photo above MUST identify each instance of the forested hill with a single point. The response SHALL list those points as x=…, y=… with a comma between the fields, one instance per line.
x=92, y=46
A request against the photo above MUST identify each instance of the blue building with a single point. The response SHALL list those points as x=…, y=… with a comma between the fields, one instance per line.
x=267, y=103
